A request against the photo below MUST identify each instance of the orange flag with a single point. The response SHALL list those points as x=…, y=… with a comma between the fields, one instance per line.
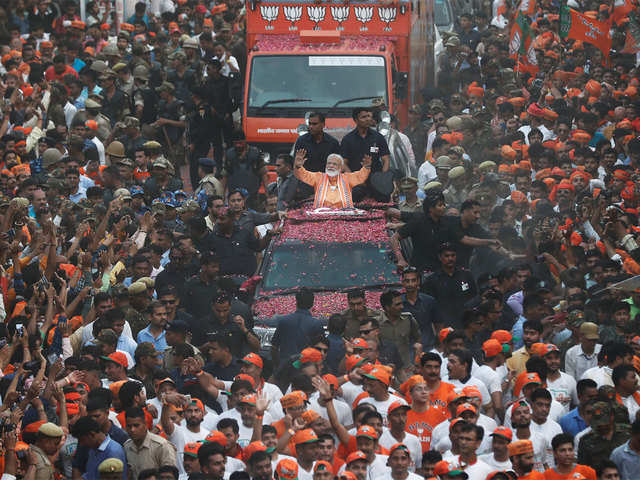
x=577, y=26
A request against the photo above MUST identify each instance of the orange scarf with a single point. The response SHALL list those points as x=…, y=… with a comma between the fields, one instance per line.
x=323, y=187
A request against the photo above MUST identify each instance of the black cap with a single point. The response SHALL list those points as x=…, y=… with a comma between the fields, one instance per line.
x=179, y=326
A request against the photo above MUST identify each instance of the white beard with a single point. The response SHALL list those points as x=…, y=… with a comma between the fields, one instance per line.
x=332, y=173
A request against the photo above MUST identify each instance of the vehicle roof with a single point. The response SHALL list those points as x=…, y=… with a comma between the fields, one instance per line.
x=303, y=225
x=349, y=44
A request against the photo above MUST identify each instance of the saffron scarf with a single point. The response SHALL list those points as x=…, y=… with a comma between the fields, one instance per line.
x=343, y=189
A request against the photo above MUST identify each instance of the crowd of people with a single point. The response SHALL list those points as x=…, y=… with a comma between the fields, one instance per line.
x=132, y=209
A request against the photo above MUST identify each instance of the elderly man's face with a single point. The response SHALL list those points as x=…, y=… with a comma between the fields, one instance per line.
x=334, y=164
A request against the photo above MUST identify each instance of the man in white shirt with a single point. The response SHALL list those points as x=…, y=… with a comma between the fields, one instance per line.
x=493, y=372
x=521, y=422
x=306, y=443
x=625, y=381
x=179, y=436
x=583, y=356
x=561, y=385
x=614, y=354
x=540, y=422
x=498, y=459
x=469, y=439
x=398, y=461
x=367, y=444
x=397, y=416
x=459, y=367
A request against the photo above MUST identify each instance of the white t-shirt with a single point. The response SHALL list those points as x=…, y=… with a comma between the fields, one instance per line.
x=180, y=437
x=486, y=398
x=381, y=406
x=350, y=392
x=490, y=377
x=539, y=449
x=563, y=390
x=600, y=375
x=233, y=465
x=410, y=441
x=632, y=406
x=411, y=476
x=245, y=433
x=441, y=441
x=345, y=415
x=478, y=471
x=547, y=430
x=555, y=413
x=490, y=460
x=304, y=474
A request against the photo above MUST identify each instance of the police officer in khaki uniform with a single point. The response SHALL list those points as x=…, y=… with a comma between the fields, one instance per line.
x=411, y=202
x=111, y=469
x=93, y=107
x=46, y=446
x=208, y=181
x=455, y=193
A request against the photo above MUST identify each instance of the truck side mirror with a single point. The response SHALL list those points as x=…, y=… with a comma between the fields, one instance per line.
x=402, y=85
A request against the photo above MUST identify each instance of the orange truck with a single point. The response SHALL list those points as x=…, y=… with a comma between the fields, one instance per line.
x=329, y=57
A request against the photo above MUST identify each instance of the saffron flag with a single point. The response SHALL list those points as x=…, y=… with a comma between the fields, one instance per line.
x=577, y=26
x=621, y=9
x=632, y=43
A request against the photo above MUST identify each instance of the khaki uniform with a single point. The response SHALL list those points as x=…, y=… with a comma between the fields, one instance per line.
x=403, y=334
x=154, y=452
x=404, y=206
x=211, y=185
x=104, y=127
x=136, y=320
x=352, y=327
x=454, y=197
x=44, y=468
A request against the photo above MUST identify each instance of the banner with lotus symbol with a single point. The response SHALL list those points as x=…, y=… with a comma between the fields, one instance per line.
x=352, y=18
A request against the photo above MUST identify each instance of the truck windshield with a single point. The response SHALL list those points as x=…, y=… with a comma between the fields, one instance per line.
x=330, y=266
x=442, y=13
x=324, y=79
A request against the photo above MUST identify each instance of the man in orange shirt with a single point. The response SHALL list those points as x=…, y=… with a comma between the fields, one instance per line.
x=564, y=455
x=293, y=405
x=422, y=417
x=332, y=188
x=430, y=369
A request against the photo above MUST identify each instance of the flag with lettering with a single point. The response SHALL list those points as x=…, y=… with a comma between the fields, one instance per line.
x=520, y=38
x=577, y=26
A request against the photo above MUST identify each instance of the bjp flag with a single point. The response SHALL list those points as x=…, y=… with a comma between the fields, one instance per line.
x=577, y=26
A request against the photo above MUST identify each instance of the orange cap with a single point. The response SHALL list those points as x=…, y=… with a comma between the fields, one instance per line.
x=296, y=398
x=310, y=355
x=248, y=378
x=353, y=361
x=518, y=197
x=254, y=359
x=116, y=386
x=305, y=436
x=466, y=407
x=524, y=379
x=411, y=382
x=538, y=349
x=379, y=374
x=322, y=466
x=218, y=437
x=359, y=343
x=310, y=416
x=503, y=431
x=443, y=333
x=91, y=124
x=520, y=447
x=253, y=448
x=119, y=358
x=396, y=405
x=191, y=449
x=287, y=469
x=355, y=456
x=491, y=348
x=331, y=380
x=250, y=399
x=367, y=431
x=471, y=391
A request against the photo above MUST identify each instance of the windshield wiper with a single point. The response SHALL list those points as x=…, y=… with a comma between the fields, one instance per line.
x=347, y=100
x=283, y=100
